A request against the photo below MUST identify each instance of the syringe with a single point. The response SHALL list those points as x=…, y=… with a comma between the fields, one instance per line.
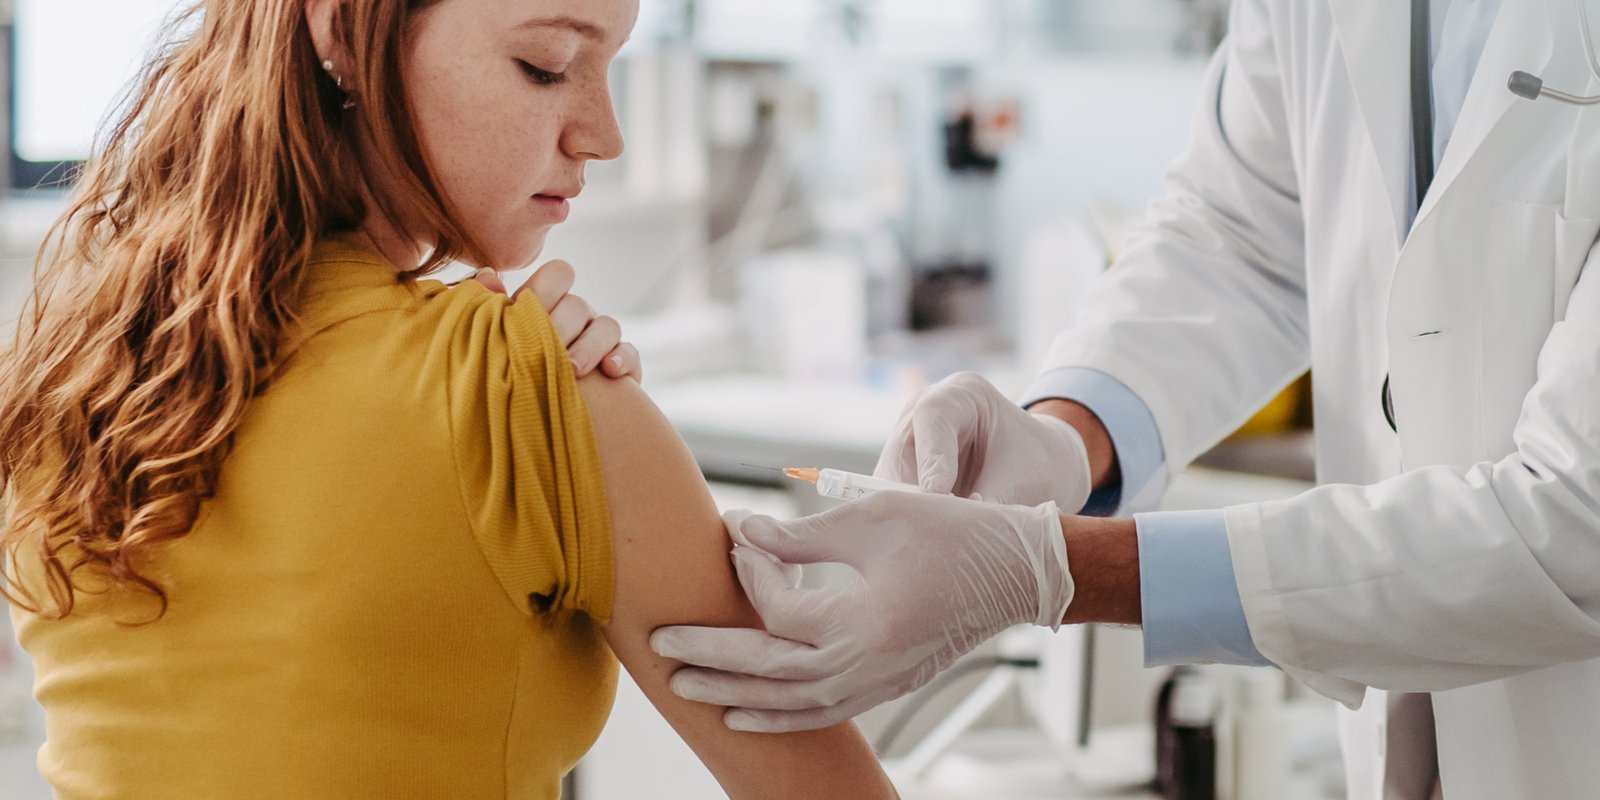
x=841, y=485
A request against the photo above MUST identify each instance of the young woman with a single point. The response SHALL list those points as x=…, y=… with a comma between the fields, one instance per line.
x=285, y=521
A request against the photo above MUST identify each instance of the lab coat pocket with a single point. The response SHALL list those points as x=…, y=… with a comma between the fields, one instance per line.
x=1525, y=247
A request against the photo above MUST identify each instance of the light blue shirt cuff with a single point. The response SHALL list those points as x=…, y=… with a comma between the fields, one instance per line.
x=1128, y=420
x=1190, y=597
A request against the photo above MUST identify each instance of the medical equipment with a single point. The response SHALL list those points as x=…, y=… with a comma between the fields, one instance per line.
x=1531, y=87
x=841, y=485
x=1422, y=154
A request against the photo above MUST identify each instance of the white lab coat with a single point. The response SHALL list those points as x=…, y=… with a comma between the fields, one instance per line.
x=1460, y=557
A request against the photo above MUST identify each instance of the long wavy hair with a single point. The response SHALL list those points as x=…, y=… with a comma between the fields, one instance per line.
x=164, y=296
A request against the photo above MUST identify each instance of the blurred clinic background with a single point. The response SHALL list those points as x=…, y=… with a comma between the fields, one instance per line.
x=826, y=205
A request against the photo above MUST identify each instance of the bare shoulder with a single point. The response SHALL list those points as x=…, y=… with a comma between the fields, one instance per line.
x=666, y=528
x=672, y=568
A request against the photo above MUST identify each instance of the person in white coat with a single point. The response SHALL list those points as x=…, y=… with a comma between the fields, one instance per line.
x=1447, y=573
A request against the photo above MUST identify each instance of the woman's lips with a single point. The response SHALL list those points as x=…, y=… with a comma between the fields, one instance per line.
x=552, y=207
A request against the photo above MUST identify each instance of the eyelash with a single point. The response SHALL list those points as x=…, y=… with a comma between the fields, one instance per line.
x=542, y=77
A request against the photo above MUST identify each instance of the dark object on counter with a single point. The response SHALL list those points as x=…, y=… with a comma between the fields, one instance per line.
x=1194, y=739
x=1166, y=739
x=961, y=151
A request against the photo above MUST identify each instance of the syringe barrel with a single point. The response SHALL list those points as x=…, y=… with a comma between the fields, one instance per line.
x=847, y=486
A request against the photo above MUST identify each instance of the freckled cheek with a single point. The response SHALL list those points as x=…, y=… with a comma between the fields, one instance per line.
x=477, y=146
x=513, y=135
x=447, y=135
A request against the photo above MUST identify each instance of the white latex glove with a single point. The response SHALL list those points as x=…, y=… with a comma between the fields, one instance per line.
x=962, y=436
x=938, y=575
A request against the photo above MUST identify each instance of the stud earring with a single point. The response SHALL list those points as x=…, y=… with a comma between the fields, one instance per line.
x=338, y=81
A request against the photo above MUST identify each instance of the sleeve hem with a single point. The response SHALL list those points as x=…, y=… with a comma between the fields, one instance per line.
x=1265, y=614
x=1192, y=609
x=592, y=589
x=534, y=502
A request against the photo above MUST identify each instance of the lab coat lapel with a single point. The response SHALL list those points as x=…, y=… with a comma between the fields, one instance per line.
x=1374, y=36
x=1522, y=39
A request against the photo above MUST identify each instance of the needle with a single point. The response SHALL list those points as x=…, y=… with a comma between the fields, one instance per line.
x=808, y=475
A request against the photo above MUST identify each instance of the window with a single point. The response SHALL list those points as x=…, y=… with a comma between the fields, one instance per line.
x=71, y=61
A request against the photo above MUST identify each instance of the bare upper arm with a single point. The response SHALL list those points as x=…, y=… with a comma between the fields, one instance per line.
x=672, y=568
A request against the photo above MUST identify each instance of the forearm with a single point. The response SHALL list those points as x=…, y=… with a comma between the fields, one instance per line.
x=1103, y=556
x=1103, y=467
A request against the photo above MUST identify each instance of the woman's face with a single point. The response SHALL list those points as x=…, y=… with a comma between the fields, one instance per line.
x=511, y=103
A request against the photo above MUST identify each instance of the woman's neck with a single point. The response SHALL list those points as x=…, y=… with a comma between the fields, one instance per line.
x=378, y=235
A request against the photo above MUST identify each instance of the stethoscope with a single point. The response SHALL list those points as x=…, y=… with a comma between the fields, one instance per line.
x=1522, y=84
x=1530, y=86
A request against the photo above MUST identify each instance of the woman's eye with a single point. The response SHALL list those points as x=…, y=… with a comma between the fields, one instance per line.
x=542, y=77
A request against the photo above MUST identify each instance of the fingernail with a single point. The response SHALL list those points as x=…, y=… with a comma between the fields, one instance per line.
x=616, y=362
x=576, y=366
x=656, y=642
x=679, y=686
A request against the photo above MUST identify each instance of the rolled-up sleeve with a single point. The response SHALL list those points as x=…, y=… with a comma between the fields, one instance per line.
x=1190, y=597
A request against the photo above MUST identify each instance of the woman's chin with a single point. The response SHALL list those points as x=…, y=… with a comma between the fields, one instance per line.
x=519, y=255
x=511, y=255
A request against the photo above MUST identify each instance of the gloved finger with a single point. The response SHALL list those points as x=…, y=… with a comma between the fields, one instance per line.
x=897, y=461
x=601, y=337
x=733, y=521
x=818, y=539
x=742, y=650
x=623, y=362
x=551, y=283
x=490, y=280
x=571, y=318
x=786, y=610
x=754, y=720
x=736, y=690
x=995, y=495
x=938, y=446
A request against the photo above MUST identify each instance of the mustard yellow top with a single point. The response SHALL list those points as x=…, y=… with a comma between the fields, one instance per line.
x=395, y=593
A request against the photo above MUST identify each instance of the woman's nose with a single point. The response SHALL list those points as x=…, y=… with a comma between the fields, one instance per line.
x=595, y=133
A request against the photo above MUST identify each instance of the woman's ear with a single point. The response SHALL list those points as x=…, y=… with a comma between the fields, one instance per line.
x=322, y=19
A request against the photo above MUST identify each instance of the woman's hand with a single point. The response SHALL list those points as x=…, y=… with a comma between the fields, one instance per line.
x=592, y=340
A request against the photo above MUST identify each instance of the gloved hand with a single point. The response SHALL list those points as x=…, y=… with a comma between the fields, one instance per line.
x=937, y=575
x=962, y=436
